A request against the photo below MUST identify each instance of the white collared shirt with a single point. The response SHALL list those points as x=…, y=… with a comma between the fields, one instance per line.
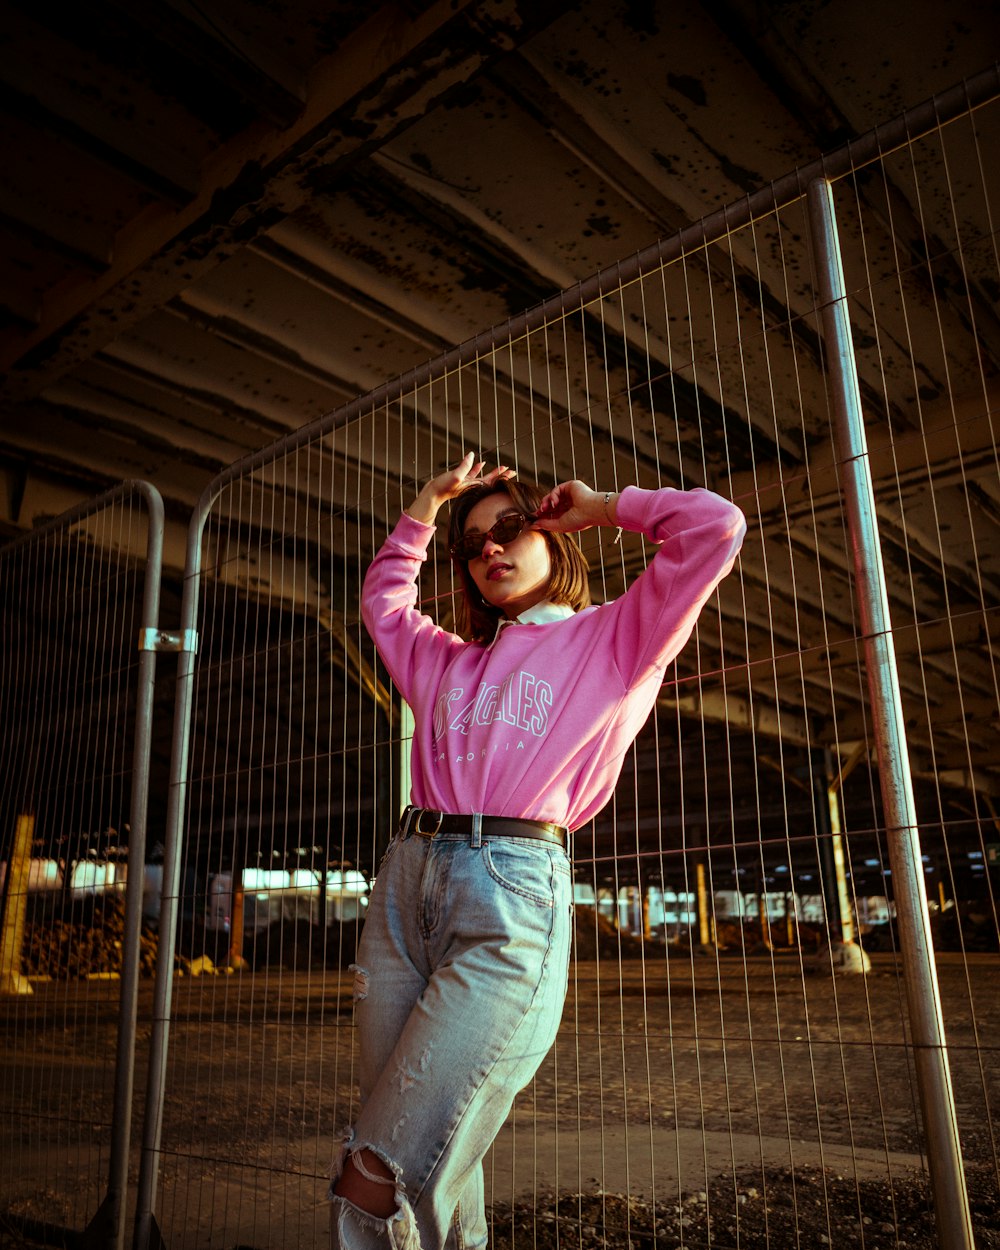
x=544, y=613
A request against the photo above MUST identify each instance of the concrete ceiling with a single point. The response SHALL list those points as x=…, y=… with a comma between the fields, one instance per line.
x=219, y=221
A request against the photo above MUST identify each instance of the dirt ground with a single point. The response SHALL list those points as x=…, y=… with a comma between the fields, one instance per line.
x=711, y=1100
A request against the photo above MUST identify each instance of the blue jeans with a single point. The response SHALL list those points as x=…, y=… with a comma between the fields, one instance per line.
x=459, y=988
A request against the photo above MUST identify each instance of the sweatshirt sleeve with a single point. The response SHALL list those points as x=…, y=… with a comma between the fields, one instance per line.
x=700, y=535
x=407, y=640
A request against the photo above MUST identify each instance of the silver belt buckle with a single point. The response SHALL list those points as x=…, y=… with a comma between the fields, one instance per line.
x=427, y=833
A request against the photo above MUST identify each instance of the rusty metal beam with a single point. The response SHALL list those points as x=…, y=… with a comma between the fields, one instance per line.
x=751, y=715
x=957, y=433
x=956, y=712
x=384, y=76
x=85, y=244
x=539, y=270
x=42, y=85
x=948, y=758
x=747, y=695
x=950, y=636
x=207, y=40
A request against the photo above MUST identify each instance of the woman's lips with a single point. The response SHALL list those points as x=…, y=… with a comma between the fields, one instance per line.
x=497, y=570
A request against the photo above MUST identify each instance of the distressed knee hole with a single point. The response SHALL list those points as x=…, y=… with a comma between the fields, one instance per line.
x=367, y=1163
x=366, y=1181
x=360, y=982
x=368, y=1193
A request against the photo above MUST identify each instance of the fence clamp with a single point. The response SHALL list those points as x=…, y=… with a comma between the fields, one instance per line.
x=162, y=640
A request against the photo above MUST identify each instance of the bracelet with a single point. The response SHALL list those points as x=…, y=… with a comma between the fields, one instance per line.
x=607, y=500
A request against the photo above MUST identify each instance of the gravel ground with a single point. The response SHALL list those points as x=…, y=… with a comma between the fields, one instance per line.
x=808, y=1211
x=697, y=1059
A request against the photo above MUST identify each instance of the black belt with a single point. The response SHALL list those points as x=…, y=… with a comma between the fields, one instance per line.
x=428, y=824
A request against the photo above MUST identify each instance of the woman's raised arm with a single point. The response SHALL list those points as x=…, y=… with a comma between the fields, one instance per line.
x=450, y=484
x=573, y=506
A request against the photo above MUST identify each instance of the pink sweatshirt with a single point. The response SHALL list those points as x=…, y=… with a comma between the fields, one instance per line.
x=537, y=723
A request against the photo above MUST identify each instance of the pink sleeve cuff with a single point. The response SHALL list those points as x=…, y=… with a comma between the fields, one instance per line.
x=412, y=537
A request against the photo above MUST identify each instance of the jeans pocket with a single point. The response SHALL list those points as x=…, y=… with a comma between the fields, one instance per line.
x=388, y=853
x=528, y=869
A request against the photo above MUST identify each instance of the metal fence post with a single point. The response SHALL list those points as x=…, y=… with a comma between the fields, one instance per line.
x=108, y=1226
x=923, y=998
x=146, y=1232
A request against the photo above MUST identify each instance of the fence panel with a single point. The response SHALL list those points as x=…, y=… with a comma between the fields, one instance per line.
x=79, y=601
x=737, y=1056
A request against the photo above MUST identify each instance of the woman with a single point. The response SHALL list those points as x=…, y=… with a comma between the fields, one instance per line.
x=519, y=737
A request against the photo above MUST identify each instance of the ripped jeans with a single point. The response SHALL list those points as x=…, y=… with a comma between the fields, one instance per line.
x=460, y=983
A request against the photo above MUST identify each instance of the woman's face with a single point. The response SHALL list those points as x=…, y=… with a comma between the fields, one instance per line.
x=514, y=577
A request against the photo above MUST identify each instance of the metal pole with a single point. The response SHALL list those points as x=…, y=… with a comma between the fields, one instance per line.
x=109, y=1227
x=937, y=1102
x=146, y=1234
x=406, y=727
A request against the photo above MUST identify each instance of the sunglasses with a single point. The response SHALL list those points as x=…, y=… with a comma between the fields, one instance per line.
x=504, y=531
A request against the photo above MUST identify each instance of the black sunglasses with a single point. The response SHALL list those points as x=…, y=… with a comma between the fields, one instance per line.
x=503, y=531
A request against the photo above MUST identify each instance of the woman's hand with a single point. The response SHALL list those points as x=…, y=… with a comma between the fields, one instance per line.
x=573, y=506
x=451, y=483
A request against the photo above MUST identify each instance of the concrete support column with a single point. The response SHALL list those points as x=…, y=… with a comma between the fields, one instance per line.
x=15, y=909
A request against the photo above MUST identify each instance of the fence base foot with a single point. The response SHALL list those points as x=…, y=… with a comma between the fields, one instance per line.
x=148, y=1235
x=102, y=1231
x=843, y=959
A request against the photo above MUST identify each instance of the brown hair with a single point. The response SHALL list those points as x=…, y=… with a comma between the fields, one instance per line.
x=568, y=583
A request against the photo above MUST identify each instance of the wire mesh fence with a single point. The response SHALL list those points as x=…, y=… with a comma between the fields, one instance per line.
x=740, y=1057
x=80, y=601
x=719, y=1040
